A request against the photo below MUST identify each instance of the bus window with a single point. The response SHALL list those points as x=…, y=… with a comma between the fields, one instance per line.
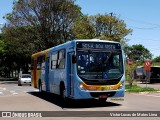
x=54, y=60
x=61, y=59
x=40, y=60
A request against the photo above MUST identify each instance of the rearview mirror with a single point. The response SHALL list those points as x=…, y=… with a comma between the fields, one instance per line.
x=74, y=59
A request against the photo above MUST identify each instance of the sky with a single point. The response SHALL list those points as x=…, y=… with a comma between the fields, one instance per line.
x=142, y=16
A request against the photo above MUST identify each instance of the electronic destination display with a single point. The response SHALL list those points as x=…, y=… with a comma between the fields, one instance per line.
x=98, y=45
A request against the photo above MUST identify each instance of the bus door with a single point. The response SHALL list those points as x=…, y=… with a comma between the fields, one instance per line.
x=70, y=81
x=47, y=74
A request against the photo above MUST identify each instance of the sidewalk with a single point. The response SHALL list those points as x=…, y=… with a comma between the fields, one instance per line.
x=8, y=79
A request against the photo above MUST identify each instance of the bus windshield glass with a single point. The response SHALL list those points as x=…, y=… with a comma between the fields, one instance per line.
x=97, y=64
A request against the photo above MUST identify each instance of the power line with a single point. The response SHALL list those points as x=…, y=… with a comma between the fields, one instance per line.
x=145, y=28
x=142, y=22
x=144, y=39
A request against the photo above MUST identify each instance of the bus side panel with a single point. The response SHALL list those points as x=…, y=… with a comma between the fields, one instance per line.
x=59, y=75
x=51, y=81
x=35, y=75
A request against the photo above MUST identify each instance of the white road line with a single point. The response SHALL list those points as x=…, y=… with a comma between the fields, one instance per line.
x=14, y=93
x=2, y=89
x=36, y=90
x=152, y=95
x=148, y=95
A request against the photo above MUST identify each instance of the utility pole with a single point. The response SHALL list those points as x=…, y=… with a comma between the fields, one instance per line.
x=110, y=27
x=111, y=14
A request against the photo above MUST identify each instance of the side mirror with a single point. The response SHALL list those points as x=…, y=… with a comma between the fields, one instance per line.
x=74, y=59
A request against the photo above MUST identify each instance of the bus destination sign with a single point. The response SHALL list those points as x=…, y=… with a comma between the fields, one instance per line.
x=98, y=45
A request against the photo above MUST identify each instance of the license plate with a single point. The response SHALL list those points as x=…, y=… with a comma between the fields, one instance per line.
x=103, y=96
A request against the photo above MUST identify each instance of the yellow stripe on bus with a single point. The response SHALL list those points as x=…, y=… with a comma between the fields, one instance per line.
x=101, y=88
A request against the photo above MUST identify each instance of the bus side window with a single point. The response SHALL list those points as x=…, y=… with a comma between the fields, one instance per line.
x=61, y=59
x=40, y=60
x=54, y=60
x=38, y=66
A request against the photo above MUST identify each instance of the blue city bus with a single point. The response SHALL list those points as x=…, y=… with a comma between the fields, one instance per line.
x=81, y=69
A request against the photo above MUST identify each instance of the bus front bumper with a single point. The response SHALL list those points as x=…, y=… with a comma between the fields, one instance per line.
x=80, y=94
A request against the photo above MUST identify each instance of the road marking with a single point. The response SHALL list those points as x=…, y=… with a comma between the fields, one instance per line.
x=36, y=90
x=148, y=95
x=152, y=95
x=14, y=93
x=2, y=89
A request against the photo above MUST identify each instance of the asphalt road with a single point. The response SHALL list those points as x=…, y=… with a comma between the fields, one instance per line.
x=26, y=98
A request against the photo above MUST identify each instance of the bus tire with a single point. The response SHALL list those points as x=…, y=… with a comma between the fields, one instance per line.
x=40, y=86
x=62, y=91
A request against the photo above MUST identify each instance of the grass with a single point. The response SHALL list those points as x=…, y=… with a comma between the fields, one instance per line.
x=136, y=88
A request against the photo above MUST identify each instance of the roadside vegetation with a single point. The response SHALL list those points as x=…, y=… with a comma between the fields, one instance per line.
x=136, y=88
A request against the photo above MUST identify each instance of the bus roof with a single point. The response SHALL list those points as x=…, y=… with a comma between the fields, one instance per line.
x=40, y=53
x=71, y=42
x=94, y=40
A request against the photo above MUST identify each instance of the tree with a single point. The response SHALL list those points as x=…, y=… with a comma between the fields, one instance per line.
x=110, y=27
x=52, y=20
x=137, y=52
x=83, y=28
x=102, y=27
x=156, y=59
x=35, y=25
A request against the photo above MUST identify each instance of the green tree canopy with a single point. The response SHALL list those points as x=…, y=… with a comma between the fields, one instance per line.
x=156, y=59
x=102, y=27
x=137, y=52
x=35, y=25
x=52, y=20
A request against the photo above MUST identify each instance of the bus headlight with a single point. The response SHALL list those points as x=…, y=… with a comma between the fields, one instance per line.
x=81, y=87
x=121, y=86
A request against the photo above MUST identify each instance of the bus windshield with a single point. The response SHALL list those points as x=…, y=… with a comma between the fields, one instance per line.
x=106, y=65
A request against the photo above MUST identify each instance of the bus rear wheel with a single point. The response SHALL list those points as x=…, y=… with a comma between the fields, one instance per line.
x=62, y=91
x=40, y=87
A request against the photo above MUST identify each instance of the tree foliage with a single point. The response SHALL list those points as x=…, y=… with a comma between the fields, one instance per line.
x=102, y=27
x=52, y=20
x=137, y=52
x=83, y=28
x=35, y=25
x=156, y=59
